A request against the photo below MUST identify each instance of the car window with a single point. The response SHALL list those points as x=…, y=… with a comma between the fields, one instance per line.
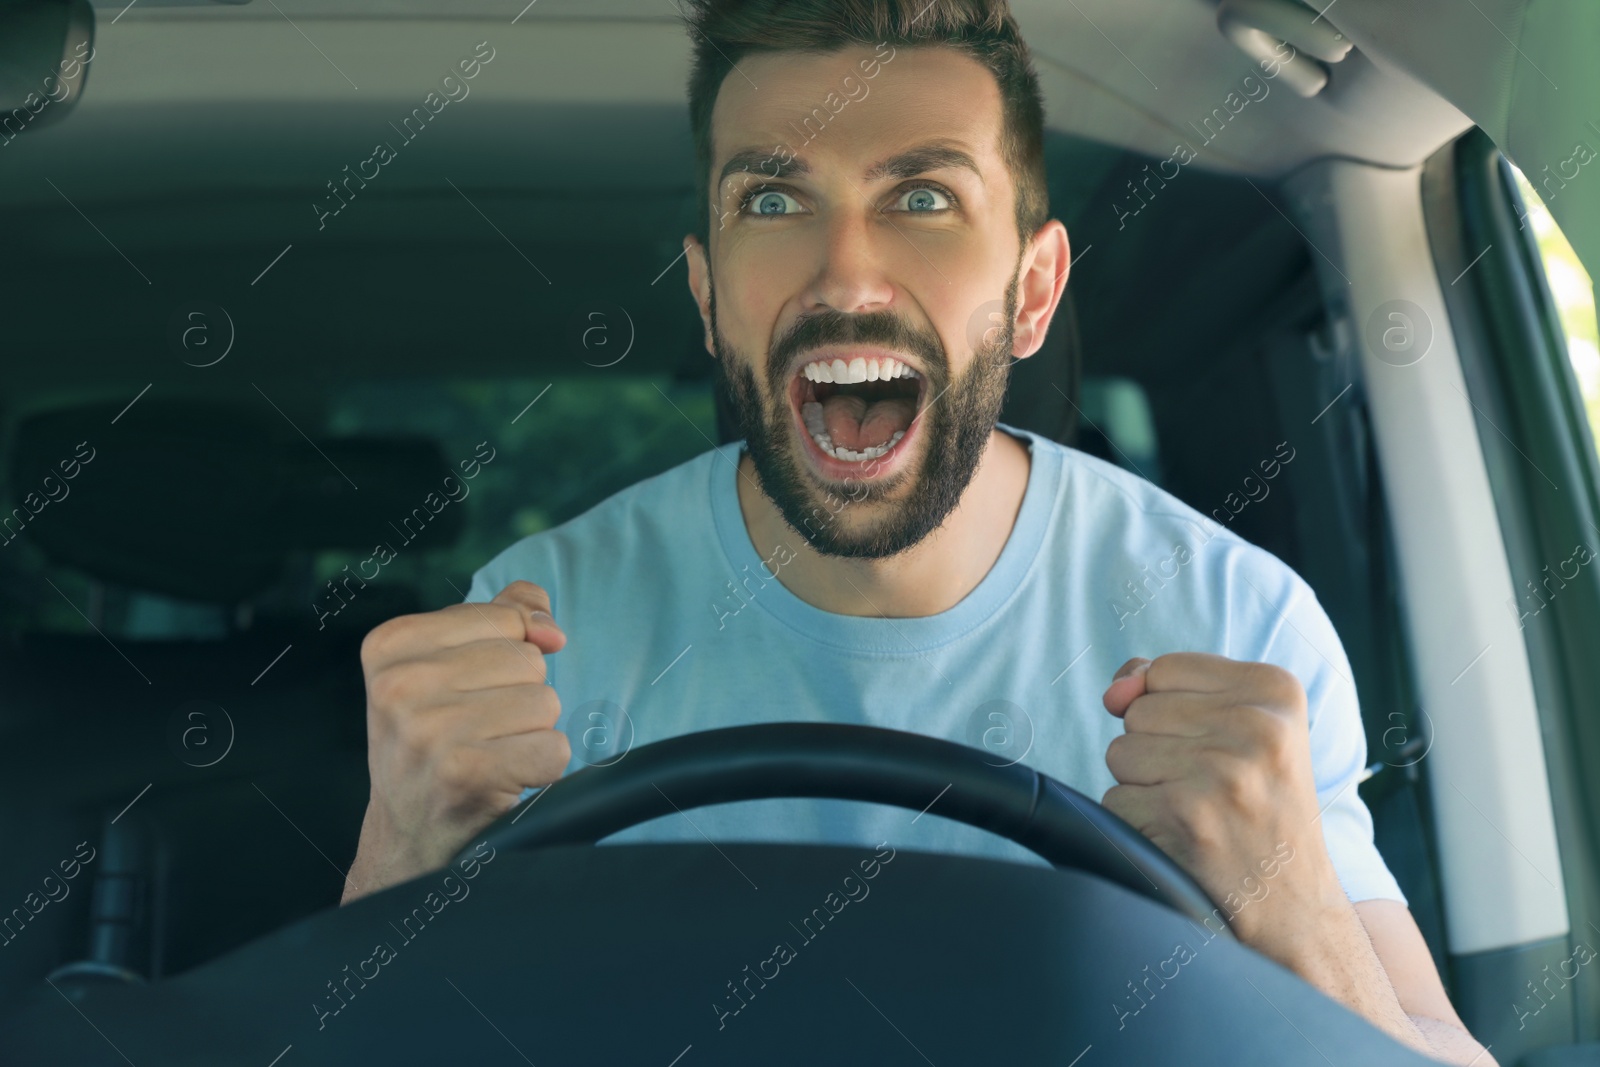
x=562, y=445
x=1573, y=293
x=559, y=445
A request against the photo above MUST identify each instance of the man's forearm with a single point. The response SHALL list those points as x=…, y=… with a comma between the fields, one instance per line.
x=1453, y=1044
x=1342, y=963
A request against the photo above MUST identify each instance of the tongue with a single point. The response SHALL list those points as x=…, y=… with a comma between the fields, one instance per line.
x=856, y=424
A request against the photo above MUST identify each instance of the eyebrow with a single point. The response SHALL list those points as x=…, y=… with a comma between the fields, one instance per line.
x=935, y=155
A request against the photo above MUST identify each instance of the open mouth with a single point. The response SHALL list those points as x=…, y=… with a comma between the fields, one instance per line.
x=859, y=409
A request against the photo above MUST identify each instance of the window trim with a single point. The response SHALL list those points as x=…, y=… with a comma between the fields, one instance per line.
x=1500, y=307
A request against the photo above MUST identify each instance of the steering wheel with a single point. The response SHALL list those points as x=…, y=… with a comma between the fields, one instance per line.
x=863, y=763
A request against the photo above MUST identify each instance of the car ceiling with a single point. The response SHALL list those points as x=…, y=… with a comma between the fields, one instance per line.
x=207, y=130
x=1139, y=74
x=1523, y=70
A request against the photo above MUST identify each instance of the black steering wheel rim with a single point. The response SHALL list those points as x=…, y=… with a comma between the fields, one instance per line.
x=862, y=763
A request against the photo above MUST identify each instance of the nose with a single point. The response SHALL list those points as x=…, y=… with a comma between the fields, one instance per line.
x=851, y=275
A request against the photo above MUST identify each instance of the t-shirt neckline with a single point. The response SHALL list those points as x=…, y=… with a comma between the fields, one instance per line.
x=755, y=589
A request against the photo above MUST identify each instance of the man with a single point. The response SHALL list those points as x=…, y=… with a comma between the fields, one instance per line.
x=880, y=551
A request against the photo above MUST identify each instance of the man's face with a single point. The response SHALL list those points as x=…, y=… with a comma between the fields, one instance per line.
x=841, y=260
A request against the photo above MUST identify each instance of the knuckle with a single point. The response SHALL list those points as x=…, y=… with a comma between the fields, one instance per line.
x=525, y=586
x=1136, y=717
x=534, y=706
x=548, y=704
x=549, y=757
x=386, y=690
x=381, y=639
x=397, y=692
x=456, y=771
x=501, y=803
x=424, y=677
x=1281, y=685
x=1236, y=786
x=560, y=749
x=1271, y=739
x=1164, y=664
x=505, y=619
x=1117, y=755
x=528, y=663
x=1251, y=730
x=372, y=645
x=502, y=617
x=1194, y=818
x=523, y=590
x=413, y=733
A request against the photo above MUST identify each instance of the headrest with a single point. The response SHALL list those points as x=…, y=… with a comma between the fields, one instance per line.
x=206, y=502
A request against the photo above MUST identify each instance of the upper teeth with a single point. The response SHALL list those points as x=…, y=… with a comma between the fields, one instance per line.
x=857, y=370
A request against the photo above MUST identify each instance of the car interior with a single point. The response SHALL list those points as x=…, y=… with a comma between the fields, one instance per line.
x=253, y=388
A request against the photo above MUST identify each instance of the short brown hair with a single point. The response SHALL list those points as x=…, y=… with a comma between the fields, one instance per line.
x=725, y=31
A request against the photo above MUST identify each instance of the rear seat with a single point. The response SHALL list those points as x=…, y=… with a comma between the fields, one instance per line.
x=197, y=520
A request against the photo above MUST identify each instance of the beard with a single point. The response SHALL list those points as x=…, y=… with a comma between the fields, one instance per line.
x=957, y=422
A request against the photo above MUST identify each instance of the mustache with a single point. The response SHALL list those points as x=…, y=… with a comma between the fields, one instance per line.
x=881, y=328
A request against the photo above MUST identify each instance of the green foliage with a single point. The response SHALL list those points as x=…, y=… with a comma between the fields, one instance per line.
x=1573, y=292
x=584, y=439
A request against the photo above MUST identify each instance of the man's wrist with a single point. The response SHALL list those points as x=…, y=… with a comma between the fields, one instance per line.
x=383, y=857
x=1314, y=904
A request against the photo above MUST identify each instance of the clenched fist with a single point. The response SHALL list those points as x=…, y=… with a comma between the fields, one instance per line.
x=1215, y=767
x=459, y=721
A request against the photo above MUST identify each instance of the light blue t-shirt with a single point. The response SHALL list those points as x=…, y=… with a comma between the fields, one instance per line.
x=674, y=621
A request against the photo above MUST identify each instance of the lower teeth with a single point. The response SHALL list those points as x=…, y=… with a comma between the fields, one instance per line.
x=812, y=414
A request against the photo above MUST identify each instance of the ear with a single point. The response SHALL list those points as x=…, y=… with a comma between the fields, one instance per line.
x=1044, y=278
x=700, y=284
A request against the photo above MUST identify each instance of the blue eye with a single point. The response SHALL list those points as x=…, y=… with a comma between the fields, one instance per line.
x=769, y=202
x=924, y=201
